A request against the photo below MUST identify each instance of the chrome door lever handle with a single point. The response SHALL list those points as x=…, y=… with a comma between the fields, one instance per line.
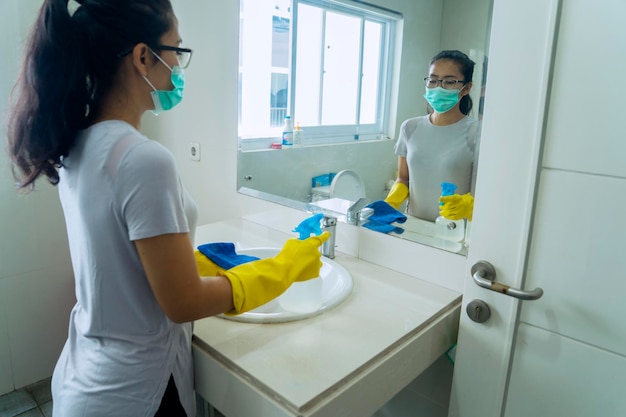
x=484, y=275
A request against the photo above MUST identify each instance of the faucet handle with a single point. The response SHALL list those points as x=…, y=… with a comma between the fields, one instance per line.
x=355, y=209
x=329, y=221
x=358, y=205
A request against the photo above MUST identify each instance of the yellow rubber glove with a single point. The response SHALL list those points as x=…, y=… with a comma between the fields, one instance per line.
x=457, y=207
x=398, y=193
x=257, y=282
x=206, y=267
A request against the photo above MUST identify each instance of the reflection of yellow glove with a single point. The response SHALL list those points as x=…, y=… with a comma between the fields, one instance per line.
x=398, y=193
x=457, y=207
x=257, y=282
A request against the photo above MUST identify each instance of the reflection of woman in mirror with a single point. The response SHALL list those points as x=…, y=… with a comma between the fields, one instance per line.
x=439, y=147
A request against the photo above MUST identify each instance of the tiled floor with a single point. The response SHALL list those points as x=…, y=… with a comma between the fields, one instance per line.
x=32, y=401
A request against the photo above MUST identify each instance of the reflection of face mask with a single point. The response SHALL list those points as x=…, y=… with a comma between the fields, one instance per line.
x=166, y=100
x=442, y=100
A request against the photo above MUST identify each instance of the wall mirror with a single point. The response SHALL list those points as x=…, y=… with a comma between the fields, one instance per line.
x=296, y=176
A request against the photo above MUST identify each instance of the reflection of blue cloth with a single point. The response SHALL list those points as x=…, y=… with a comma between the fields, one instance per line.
x=383, y=216
x=223, y=254
x=384, y=213
x=383, y=227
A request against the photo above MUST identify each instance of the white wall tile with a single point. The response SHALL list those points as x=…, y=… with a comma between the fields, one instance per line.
x=32, y=231
x=32, y=238
x=587, y=246
x=289, y=172
x=551, y=374
x=586, y=130
x=37, y=305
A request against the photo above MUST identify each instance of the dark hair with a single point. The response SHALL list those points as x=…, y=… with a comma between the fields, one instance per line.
x=466, y=66
x=69, y=64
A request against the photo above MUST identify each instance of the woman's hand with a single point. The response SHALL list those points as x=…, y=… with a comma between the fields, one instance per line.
x=457, y=207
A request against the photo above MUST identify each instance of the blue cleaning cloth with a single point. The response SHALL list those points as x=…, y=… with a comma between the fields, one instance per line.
x=383, y=227
x=223, y=254
x=384, y=213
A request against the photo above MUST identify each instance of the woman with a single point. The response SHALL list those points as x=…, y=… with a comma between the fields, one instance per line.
x=441, y=146
x=91, y=69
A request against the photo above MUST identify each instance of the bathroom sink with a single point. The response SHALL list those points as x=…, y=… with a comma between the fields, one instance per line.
x=303, y=299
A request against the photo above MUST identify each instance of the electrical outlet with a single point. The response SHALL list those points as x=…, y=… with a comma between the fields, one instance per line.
x=194, y=151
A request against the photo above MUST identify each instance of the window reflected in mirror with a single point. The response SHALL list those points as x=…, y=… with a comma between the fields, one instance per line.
x=324, y=64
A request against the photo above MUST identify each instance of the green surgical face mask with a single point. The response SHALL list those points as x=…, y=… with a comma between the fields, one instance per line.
x=442, y=100
x=166, y=100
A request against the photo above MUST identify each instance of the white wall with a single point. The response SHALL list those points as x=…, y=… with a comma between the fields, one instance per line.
x=36, y=282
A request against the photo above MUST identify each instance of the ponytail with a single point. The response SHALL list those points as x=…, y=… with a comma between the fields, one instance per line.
x=51, y=96
x=70, y=61
x=466, y=104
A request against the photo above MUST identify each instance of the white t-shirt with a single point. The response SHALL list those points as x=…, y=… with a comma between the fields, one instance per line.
x=117, y=186
x=437, y=154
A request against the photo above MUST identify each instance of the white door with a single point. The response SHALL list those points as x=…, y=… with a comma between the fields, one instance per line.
x=550, y=213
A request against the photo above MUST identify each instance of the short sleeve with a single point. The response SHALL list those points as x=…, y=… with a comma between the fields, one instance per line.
x=401, y=148
x=473, y=135
x=149, y=193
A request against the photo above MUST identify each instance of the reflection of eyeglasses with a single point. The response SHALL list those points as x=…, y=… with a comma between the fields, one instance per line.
x=447, y=84
x=182, y=54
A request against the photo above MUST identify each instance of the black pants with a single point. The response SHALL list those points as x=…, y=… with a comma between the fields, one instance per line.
x=170, y=404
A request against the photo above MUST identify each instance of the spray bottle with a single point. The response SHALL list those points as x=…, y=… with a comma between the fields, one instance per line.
x=310, y=226
x=304, y=296
x=453, y=230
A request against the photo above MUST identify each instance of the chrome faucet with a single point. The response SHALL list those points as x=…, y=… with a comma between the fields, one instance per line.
x=329, y=224
x=354, y=212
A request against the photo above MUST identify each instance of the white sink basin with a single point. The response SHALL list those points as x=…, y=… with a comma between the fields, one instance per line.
x=303, y=299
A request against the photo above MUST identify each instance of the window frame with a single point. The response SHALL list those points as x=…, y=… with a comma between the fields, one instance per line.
x=320, y=135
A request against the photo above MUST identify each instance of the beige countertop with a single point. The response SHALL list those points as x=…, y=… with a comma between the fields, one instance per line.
x=353, y=358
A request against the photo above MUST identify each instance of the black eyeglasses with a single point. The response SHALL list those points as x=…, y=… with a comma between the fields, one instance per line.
x=447, y=84
x=182, y=54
